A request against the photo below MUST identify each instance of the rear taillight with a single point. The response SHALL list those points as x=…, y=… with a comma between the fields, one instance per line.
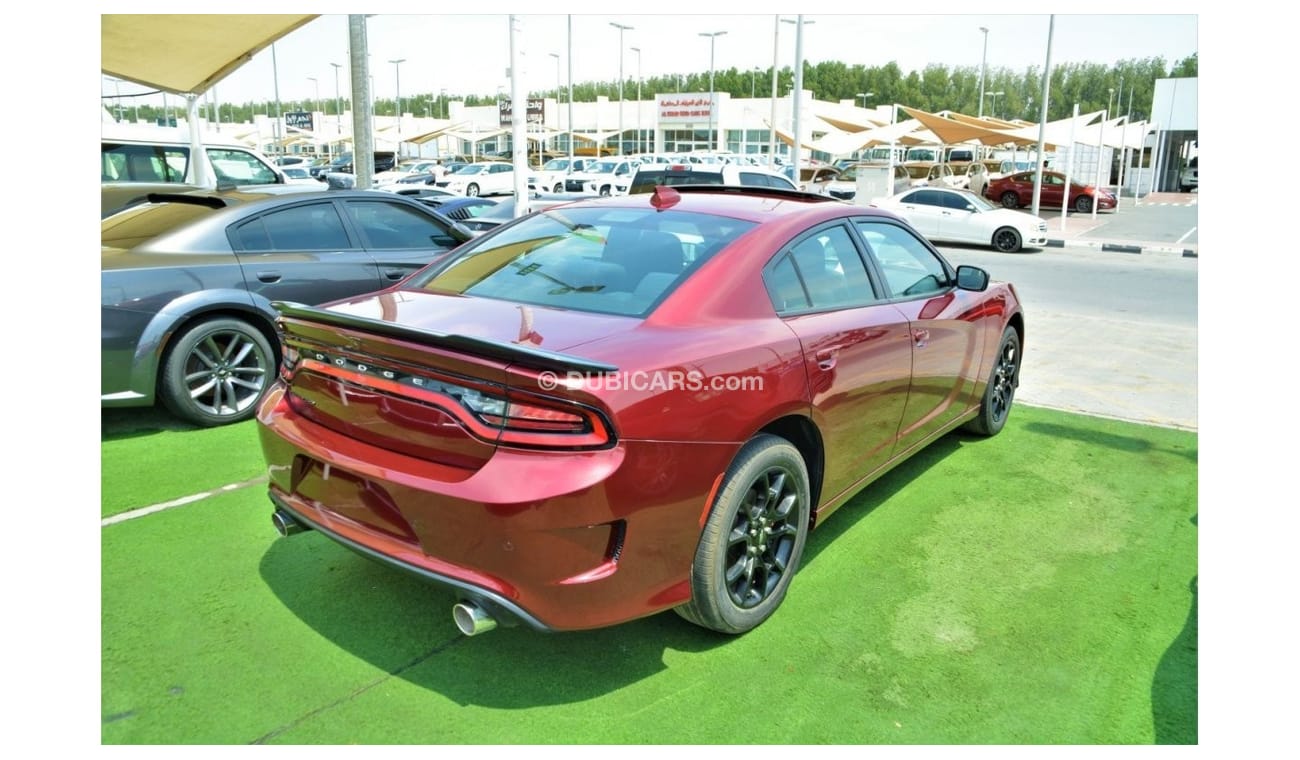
x=512, y=419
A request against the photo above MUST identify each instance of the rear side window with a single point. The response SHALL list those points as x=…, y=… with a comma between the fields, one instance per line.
x=313, y=227
x=829, y=269
x=142, y=163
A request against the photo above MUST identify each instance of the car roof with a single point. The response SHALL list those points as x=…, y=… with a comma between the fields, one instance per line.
x=756, y=204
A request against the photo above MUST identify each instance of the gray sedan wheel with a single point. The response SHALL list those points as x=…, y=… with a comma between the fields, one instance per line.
x=216, y=372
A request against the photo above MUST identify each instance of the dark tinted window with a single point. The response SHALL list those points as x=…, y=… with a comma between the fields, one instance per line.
x=645, y=181
x=392, y=225
x=756, y=179
x=142, y=163
x=953, y=200
x=609, y=260
x=927, y=198
x=314, y=227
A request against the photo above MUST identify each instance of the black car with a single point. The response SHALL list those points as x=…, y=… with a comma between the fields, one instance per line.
x=385, y=160
x=187, y=281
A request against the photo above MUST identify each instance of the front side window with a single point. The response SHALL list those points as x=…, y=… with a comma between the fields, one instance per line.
x=240, y=167
x=391, y=225
x=909, y=267
x=607, y=260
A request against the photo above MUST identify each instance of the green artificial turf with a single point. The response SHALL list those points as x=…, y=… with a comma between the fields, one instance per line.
x=147, y=458
x=1038, y=587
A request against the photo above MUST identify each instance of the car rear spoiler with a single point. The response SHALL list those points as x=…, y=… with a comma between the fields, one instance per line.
x=507, y=352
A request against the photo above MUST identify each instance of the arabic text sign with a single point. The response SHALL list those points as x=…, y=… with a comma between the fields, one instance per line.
x=536, y=111
x=687, y=107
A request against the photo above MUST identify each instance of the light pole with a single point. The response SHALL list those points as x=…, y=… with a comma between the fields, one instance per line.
x=397, y=72
x=559, y=120
x=713, y=105
x=316, y=104
x=621, y=28
x=796, y=94
x=1110, y=94
x=984, y=62
x=446, y=105
x=338, y=99
x=637, y=50
x=864, y=96
x=994, y=95
x=117, y=88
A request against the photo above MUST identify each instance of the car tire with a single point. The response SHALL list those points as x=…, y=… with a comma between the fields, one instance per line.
x=604, y=190
x=472, y=190
x=1006, y=240
x=995, y=407
x=1185, y=189
x=1010, y=199
x=1083, y=204
x=217, y=371
x=751, y=544
x=559, y=188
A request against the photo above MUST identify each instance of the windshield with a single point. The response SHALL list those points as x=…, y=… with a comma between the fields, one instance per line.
x=471, y=169
x=607, y=260
x=602, y=167
x=556, y=165
x=975, y=200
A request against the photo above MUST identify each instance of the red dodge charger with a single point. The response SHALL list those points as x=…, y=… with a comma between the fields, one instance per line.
x=625, y=405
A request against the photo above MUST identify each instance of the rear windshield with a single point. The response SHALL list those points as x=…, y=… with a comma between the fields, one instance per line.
x=607, y=260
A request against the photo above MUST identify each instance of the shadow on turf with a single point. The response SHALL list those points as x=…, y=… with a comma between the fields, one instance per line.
x=134, y=422
x=1127, y=443
x=403, y=626
x=1174, y=706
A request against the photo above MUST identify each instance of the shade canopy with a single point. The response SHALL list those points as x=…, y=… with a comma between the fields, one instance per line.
x=187, y=53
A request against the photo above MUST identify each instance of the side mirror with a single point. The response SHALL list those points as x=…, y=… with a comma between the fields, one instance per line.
x=972, y=278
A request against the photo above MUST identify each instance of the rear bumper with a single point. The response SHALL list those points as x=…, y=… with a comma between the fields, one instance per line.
x=502, y=609
x=558, y=540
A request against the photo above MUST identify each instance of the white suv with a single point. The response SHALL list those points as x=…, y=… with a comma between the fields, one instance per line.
x=141, y=153
x=550, y=178
x=648, y=176
x=608, y=176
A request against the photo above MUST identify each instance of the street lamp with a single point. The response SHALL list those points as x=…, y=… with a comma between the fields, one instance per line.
x=713, y=105
x=621, y=28
x=984, y=62
x=1110, y=93
x=338, y=100
x=994, y=95
x=637, y=50
x=864, y=96
x=559, y=115
x=316, y=82
x=397, y=71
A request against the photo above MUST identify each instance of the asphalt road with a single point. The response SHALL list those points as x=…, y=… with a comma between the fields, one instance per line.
x=1110, y=334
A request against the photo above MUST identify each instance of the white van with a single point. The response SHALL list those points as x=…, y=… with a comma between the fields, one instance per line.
x=144, y=153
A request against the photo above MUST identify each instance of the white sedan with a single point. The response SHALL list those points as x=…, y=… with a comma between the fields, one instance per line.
x=481, y=178
x=960, y=216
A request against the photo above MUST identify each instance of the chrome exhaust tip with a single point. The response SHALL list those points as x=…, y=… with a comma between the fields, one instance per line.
x=472, y=619
x=285, y=524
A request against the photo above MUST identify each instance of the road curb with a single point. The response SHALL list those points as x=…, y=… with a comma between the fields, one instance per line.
x=1186, y=253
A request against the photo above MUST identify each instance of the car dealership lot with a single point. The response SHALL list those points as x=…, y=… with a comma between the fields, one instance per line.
x=919, y=616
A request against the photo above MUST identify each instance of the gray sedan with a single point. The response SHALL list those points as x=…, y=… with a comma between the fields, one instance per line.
x=187, y=280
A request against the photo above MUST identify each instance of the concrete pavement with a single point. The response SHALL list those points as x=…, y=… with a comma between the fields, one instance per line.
x=1157, y=223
